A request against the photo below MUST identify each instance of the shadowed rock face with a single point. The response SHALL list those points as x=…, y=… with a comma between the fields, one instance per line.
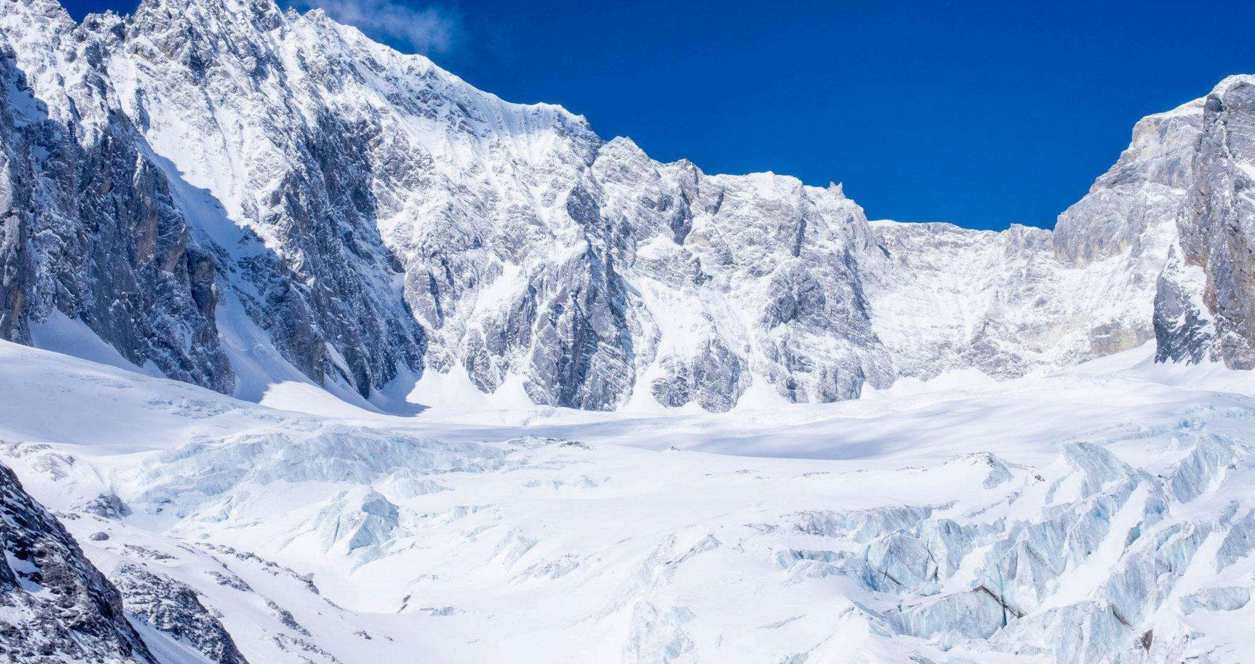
x=57, y=606
x=90, y=229
x=1184, y=332
x=212, y=184
x=16, y=267
x=715, y=379
x=116, y=237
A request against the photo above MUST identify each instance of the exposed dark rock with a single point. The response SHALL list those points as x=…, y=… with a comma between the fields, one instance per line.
x=57, y=606
x=175, y=609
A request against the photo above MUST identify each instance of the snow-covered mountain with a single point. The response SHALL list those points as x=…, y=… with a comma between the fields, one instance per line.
x=236, y=196
x=232, y=204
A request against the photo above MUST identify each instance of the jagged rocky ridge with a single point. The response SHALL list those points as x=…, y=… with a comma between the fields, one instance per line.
x=175, y=609
x=54, y=605
x=271, y=195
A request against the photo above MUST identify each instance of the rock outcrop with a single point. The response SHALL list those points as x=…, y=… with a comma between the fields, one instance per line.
x=1217, y=230
x=174, y=609
x=54, y=605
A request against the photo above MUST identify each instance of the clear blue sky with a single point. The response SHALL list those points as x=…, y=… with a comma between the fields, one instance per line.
x=981, y=113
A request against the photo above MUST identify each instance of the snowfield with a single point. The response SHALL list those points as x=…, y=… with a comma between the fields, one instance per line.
x=1099, y=514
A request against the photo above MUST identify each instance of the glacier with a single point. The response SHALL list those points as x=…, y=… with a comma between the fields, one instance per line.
x=312, y=352
x=1101, y=513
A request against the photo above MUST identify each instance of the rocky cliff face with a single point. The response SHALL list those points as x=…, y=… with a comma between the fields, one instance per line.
x=54, y=605
x=272, y=195
x=118, y=237
x=1217, y=227
x=947, y=298
x=175, y=609
x=90, y=229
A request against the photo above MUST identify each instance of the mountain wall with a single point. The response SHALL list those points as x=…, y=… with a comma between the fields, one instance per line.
x=234, y=195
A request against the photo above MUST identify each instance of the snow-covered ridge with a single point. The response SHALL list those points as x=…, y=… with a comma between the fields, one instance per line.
x=238, y=196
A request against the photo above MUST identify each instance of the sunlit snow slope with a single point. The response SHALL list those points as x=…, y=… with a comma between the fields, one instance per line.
x=1103, y=514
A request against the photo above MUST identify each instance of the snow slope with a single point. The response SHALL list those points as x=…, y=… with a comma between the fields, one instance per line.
x=1100, y=514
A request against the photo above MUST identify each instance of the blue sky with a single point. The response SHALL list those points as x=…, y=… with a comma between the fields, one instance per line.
x=980, y=113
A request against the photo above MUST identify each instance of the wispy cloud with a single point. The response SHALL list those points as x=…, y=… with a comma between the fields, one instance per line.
x=432, y=30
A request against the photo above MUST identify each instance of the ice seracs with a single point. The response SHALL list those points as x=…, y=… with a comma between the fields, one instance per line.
x=1114, y=525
